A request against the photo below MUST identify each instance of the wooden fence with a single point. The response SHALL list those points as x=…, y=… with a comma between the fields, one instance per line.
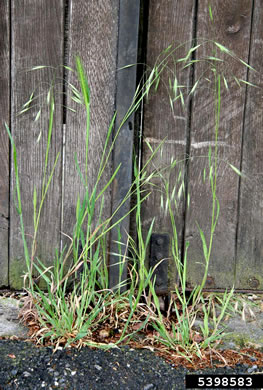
x=105, y=35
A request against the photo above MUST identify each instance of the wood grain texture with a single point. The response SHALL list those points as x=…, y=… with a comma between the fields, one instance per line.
x=93, y=36
x=37, y=39
x=249, y=265
x=170, y=23
x=230, y=27
x=4, y=145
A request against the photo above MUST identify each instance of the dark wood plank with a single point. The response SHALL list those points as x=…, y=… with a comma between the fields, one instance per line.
x=37, y=39
x=93, y=33
x=249, y=264
x=123, y=149
x=230, y=27
x=4, y=146
x=170, y=23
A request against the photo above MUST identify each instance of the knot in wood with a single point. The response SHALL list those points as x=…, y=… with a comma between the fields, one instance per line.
x=233, y=28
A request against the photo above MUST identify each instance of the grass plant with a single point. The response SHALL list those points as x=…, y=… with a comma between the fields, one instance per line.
x=76, y=306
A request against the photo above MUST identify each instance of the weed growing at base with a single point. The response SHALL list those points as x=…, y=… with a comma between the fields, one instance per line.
x=77, y=307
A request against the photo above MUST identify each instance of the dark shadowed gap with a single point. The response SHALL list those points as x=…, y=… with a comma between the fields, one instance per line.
x=66, y=25
x=10, y=127
x=65, y=57
x=188, y=134
x=141, y=69
x=243, y=130
x=139, y=117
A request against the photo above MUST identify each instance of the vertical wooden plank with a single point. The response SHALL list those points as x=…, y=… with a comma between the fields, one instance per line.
x=123, y=149
x=37, y=39
x=230, y=27
x=4, y=145
x=170, y=22
x=93, y=32
x=249, y=265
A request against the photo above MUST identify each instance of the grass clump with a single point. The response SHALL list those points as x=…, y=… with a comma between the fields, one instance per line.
x=75, y=305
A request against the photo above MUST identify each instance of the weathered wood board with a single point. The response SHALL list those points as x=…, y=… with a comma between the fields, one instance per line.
x=4, y=145
x=161, y=123
x=249, y=264
x=37, y=39
x=92, y=35
x=231, y=27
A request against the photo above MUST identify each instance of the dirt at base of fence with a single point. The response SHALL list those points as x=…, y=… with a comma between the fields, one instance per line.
x=24, y=366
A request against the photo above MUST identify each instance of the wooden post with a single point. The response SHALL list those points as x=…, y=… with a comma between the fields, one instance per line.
x=123, y=148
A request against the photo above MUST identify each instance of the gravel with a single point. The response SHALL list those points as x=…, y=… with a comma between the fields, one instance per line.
x=25, y=367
